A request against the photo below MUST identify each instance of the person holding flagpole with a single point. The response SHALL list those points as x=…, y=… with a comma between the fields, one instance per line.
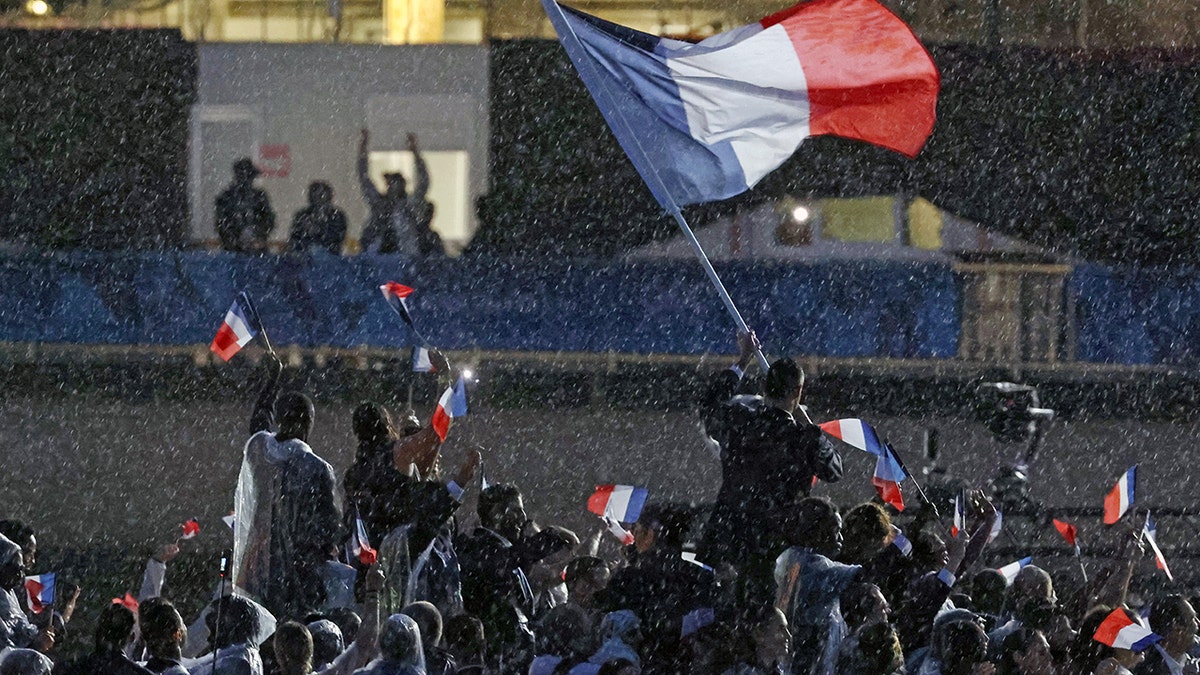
x=288, y=521
x=768, y=461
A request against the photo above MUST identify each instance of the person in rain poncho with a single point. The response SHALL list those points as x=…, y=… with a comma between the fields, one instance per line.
x=622, y=634
x=15, y=629
x=400, y=649
x=25, y=662
x=288, y=522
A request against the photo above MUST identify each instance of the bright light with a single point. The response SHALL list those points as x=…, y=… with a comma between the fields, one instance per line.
x=800, y=214
x=37, y=7
x=468, y=374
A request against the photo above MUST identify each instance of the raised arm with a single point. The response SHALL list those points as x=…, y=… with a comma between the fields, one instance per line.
x=722, y=387
x=366, y=643
x=263, y=417
x=369, y=191
x=421, y=189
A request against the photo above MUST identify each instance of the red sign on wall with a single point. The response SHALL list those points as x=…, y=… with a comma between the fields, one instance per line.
x=275, y=161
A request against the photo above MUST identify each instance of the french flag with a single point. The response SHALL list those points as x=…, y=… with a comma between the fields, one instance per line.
x=888, y=477
x=190, y=529
x=621, y=503
x=1151, y=533
x=452, y=404
x=1068, y=532
x=395, y=294
x=707, y=121
x=1120, y=498
x=39, y=590
x=360, y=546
x=856, y=433
x=420, y=361
x=960, y=516
x=1011, y=569
x=1121, y=632
x=237, y=331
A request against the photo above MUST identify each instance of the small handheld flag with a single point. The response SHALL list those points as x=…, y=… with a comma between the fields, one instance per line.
x=888, y=477
x=997, y=527
x=39, y=590
x=856, y=433
x=1068, y=531
x=190, y=529
x=237, y=330
x=128, y=602
x=229, y=520
x=1010, y=570
x=960, y=517
x=1151, y=533
x=452, y=404
x=421, y=362
x=1120, y=498
x=396, y=295
x=360, y=546
x=622, y=503
x=1121, y=632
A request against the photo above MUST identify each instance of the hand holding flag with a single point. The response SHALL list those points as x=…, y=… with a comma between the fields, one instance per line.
x=451, y=405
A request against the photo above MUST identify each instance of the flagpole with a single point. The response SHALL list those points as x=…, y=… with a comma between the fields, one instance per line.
x=1079, y=559
x=652, y=179
x=261, y=328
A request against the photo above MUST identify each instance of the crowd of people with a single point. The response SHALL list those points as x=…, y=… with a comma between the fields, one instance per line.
x=400, y=220
x=382, y=580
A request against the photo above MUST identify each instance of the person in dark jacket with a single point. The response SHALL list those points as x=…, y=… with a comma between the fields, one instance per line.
x=320, y=225
x=244, y=214
x=670, y=595
x=1174, y=618
x=494, y=559
x=114, y=632
x=400, y=221
x=282, y=546
x=768, y=461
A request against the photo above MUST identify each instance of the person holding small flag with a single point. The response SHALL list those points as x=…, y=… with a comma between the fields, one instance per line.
x=15, y=629
x=1174, y=618
x=768, y=461
x=288, y=521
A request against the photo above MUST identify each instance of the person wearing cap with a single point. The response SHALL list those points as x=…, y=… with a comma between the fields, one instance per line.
x=769, y=457
x=244, y=217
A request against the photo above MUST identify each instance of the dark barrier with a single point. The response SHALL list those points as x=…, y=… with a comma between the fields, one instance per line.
x=840, y=309
x=1131, y=315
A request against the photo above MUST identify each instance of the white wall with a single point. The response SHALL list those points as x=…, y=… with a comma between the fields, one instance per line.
x=315, y=98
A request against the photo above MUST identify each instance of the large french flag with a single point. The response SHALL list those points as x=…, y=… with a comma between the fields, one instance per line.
x=1121, y=632
x=1120, y=498
x=453, y=403
x=236, y=331
x=707, y=121
x=619, y=503
x=856, y=433
x=39, y=589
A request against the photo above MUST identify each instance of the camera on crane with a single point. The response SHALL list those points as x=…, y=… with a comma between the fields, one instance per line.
x=1010, y=411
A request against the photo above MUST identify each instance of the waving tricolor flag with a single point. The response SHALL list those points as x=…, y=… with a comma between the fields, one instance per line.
x=706, y=121
x=1011, y=570
x=360, y=545
x=855, y=433
x=128, y=602
x=190, y=529
x=396, y=295
x=1119, y=631
x=1150, y=531
x=901, y=542
x=452, y=404
x=39, y=590
x=1120, y=498
x=236, y=331
x=622, y=503
x=1068, y=532
x=421, y=362
x=888, y=477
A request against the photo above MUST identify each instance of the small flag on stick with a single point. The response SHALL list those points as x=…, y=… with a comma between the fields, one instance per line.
x=360, y=546
x=855, y=433
x=1120, y=498
x=128, y=602
x=1121, y=632
x=237, y=330
x=396, y=295
x=421, y=362
x=1011, y=570
x=960, y=517
x=39, y=590
x=1151, y=533
x=190, y=529
x=1068, y=532
x=622, y=503
x=451, y=405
